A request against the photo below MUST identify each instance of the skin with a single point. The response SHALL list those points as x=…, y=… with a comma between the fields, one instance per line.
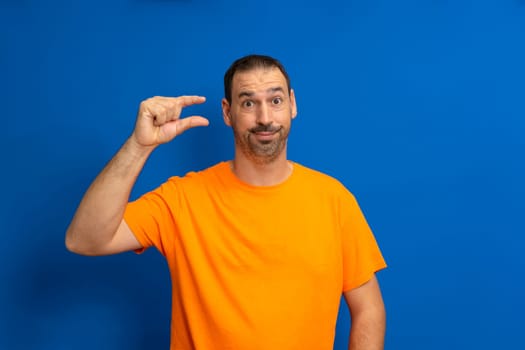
x=367, y=311
x=260, y=115
x=98, y=227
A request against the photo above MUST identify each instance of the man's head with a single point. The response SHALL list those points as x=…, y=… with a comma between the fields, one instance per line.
x=259, y=106
x=248, y=63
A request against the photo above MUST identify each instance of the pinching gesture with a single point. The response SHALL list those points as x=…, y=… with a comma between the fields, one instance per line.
x=159, y=120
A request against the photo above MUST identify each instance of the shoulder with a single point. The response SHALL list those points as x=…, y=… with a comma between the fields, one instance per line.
x=328, y=190
x=318, y=178
x=213, y=171
x=209, y=175
x=193, y=182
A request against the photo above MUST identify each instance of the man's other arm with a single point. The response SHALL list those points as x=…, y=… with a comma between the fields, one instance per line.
x=367, y=312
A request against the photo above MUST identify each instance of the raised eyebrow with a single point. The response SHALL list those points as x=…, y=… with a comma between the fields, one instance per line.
x=275, y=89
x=271, y=90
x=246, y=94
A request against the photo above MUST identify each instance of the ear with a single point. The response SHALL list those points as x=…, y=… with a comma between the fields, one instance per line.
x=226, y=116
x=293, y=104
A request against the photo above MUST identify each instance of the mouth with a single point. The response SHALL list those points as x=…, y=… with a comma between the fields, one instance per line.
x=265, y=134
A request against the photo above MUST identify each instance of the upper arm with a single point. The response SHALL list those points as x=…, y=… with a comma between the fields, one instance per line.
x=366, y=298
x=368, y=316
x=123, y=240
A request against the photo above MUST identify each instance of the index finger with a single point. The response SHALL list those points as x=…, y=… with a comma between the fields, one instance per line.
x=186, y=101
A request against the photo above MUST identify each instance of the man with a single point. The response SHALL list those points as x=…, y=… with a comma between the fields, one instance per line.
x=259, y=248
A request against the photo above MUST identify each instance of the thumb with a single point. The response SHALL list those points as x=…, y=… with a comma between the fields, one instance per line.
x=174, y=128
x=190, y=122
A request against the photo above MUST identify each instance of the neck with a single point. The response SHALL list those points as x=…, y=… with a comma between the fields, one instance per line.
x=261, y=173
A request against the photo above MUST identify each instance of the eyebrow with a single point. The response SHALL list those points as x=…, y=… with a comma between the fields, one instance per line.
x=270, y=90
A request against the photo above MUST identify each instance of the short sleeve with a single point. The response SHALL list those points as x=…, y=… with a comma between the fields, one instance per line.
x=151, y=219
x=361, y=254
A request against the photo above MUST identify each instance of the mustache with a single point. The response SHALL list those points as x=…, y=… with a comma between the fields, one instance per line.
x=265, y=128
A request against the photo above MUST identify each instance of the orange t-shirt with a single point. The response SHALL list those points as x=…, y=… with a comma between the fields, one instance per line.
x=256, y=267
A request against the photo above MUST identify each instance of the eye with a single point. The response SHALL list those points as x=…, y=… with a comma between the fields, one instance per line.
x=277, y=101
x=248, y=103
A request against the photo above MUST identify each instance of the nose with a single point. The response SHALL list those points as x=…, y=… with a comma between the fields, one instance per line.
x=264, y=115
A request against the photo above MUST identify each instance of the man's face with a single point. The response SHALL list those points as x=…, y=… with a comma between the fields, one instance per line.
x=260, y=113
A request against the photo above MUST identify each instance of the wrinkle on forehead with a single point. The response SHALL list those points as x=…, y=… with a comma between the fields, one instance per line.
x=269, y=91
x=258, y=81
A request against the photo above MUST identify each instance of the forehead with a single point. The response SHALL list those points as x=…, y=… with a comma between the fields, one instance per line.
x=257, y=80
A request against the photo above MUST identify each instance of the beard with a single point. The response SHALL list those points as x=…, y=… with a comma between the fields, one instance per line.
x=262, y=151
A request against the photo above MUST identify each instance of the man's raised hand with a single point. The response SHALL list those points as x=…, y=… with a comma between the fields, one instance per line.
x=159, y=121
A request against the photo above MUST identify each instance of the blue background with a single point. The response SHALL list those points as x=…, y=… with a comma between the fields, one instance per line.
x=417, y=106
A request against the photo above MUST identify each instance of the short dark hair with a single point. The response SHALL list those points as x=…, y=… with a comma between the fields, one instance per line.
x=247, y=63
